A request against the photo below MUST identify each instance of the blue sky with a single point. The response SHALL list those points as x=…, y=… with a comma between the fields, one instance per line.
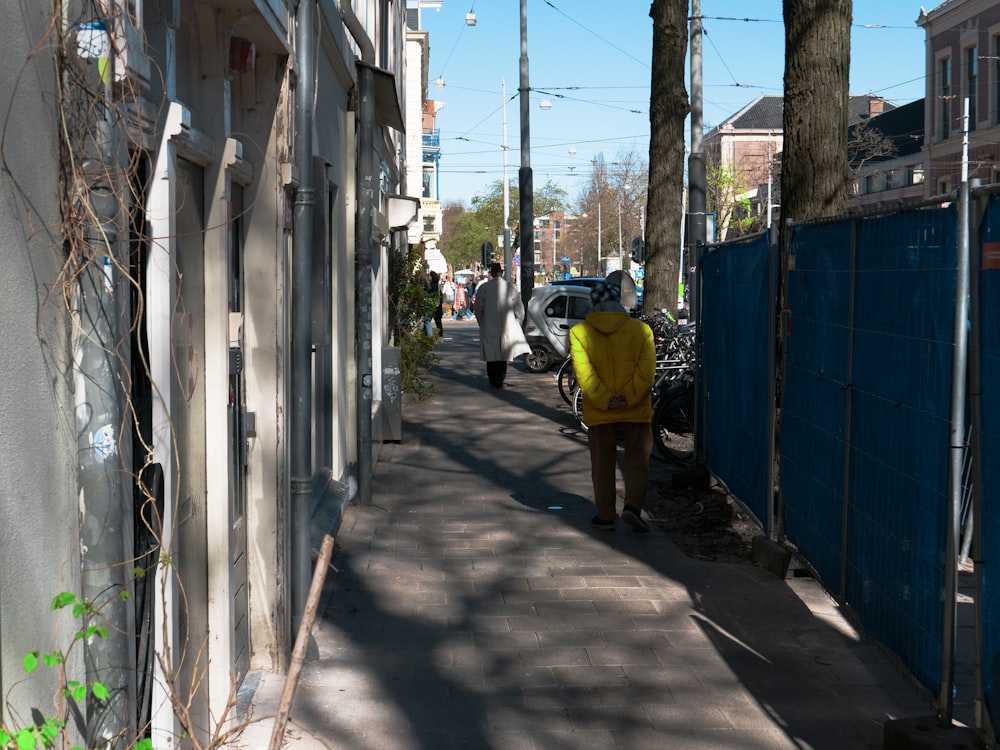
x=591, y=60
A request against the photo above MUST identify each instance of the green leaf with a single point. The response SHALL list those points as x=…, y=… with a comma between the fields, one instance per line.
x=30, y=662
x=97, y=630
x=63, y=599
x=53, y=659
x=100, y=691
x=78, y=609
x=49, y=732
x=146, y=744
x=26, y=740
x=5, y=737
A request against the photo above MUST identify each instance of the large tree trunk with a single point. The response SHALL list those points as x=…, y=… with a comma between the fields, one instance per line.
x=814, y=169
x=668, y=108
x=814, y=173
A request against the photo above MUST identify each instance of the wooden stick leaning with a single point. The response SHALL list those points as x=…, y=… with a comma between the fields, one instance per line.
x=301, y=643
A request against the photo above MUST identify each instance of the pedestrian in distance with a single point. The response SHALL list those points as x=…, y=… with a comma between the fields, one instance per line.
x=614, y=361
x=500, y=313
x=433, y=289
x=448, y=296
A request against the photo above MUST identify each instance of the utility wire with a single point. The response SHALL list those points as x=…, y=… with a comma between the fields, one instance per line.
x=588, y=101
x=455, y=45
x=627, y=54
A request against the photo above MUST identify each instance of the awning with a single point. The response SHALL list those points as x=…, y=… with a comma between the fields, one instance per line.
x=387, y=108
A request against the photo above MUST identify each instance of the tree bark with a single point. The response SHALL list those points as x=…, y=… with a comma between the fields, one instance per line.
x=814, y=170
x=668, y=108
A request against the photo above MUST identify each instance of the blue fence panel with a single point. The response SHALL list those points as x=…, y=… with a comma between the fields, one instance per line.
x=900, y=423
x=736, y=369
x=989, y=341
x=817, y=300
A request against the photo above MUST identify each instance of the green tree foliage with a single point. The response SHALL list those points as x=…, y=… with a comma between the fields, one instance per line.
x=463, y=236
x=409, y=305
x=725, y=186
x=465, y=231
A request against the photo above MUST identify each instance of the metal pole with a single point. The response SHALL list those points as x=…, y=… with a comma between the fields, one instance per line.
x=975, y=477
x=300, y=439
x=552, y=226
x=770, y=182
x=526, y=198
x=696, y=161
x=621, y=252
x=599, y=257
x=772, y=422
x=960, y=365
x=506, y=190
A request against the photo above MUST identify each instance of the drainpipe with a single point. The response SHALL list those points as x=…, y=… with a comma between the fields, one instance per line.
x=366, y=183
x=302, y=267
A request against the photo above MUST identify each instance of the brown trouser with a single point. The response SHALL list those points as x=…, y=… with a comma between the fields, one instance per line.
x=603, y=442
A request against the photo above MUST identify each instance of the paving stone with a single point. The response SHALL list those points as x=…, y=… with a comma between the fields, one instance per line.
x=463, y=613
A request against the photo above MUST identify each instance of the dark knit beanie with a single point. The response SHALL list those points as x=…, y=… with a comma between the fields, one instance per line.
x=605, y=291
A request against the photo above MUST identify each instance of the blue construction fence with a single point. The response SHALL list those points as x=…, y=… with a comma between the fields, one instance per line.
x=863, y=443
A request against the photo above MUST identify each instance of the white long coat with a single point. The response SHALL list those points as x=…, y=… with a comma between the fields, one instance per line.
x=499, y=311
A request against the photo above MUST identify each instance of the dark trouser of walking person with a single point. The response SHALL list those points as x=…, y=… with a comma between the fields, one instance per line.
x=603, y=442
x=497, y=373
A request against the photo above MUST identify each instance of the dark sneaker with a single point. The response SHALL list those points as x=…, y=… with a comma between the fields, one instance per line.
x=633, y=517
x=599, y=523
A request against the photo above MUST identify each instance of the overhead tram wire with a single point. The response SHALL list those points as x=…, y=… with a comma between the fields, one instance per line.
x=645, y=63
x=548, y=92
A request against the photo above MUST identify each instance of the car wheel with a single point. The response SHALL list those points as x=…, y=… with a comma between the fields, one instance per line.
x=538, y=359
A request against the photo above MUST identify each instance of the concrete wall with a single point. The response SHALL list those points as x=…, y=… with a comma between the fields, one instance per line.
x=39, y=547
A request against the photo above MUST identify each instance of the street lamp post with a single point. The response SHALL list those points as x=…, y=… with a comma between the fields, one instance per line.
x=621, y=251
x=553, y=227
x=526, y=205
x=600, y=259
x=506, y=190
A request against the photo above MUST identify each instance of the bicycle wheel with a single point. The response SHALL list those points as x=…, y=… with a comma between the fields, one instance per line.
x=673, y=426
x=578, y=408
x=567, y=381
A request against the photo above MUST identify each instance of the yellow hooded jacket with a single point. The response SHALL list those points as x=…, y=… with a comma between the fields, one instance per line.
x=614, y=353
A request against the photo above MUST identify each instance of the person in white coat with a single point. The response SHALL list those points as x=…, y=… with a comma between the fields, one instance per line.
x=500, y=313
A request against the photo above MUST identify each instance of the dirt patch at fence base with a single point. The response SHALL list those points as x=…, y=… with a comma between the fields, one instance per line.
x=705, y=524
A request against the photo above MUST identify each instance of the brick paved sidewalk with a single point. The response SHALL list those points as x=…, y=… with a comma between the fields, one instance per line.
x=474, y=607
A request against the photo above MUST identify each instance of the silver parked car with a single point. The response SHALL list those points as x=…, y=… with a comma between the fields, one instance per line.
x=552, y=311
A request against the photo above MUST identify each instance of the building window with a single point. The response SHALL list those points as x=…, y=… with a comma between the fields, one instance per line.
x=944, y=97
x=870, y=184
x=971, y=87
x=915, y=175
x=892, y=179
x=428, y=177
x=429, y=223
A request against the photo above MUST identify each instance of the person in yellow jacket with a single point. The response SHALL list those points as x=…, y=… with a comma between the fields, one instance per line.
x=614, y=361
